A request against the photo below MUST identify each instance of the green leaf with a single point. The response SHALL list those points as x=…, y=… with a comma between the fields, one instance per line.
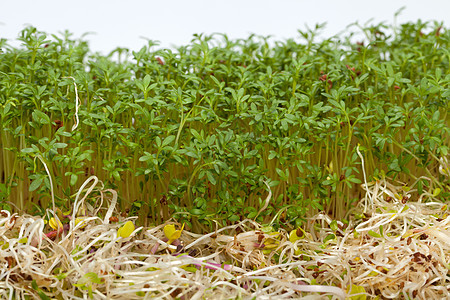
x=196, y=211
x=40, y=117
x=334, y=225
x=196, y=134
x=86, y=282
x=191, y=269
x=211, y=178
x=272, y=154
x=27, y=150
x=116, y=175
x=374, y=234
x=41, y=294
x=284, y=124
x=146, y=81
x=158, y=141
x=283, y=175
x=251, y=215
x=34, y=285
x=420, y=187
x=233, y=218
x=92, y=277
x=35, y=184
x=329, y=238
x=60, y=145
x=168, y=140
x=354, y=179
x=436, y=192
x=61, y=276
x=73, y=179
x=145, y=157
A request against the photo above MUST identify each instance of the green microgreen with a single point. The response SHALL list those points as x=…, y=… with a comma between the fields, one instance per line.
x=204, y=132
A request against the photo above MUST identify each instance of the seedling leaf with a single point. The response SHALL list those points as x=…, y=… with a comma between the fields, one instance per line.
x=126, y=230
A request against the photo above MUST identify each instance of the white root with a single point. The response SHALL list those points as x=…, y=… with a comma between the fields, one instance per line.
x=399, y=250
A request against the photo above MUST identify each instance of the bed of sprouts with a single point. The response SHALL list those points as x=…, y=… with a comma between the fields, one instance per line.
x=395, y=246
x=227, y=169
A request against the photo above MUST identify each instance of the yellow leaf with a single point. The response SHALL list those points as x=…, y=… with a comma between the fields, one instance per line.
x=436, y=192
x=80, y=220
x=55, y=224
x=59, y=213
x=330, y=167
x=356, y=289
x=171, y=233
x=126, y=230
x=271, y=243
x=296, y=234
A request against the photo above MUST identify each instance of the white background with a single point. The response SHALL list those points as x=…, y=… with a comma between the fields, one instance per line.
x=123, y=23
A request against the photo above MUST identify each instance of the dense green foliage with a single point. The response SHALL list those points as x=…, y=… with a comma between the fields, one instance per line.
x=194, y=133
